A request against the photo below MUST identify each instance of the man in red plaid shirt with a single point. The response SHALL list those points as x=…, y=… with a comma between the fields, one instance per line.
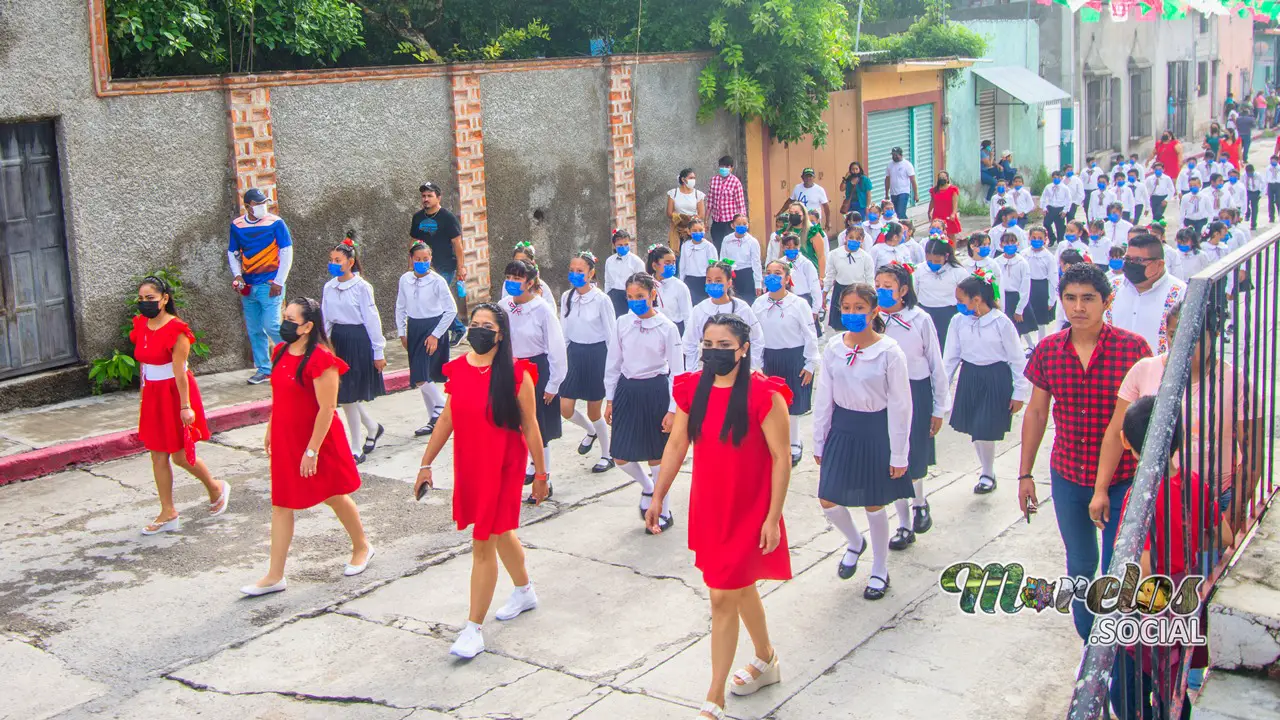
x=724, y=201
x=1079, y=370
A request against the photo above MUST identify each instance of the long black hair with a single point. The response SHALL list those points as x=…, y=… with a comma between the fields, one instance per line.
x=736, y=419
x=943, y=248
x=975, y=286
x=348, y=247
x=656, y=254
x=903, y=276
x=310, y=310
x=162, y=286
x=567, y=299
x=504, y=406
x=525, y=271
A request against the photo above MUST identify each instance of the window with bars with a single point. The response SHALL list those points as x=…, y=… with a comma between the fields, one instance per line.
x=1140, y=103
x=1202, y=79
x=1098, y=104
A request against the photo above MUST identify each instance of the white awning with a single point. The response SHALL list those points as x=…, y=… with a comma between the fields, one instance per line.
x=1022, y=84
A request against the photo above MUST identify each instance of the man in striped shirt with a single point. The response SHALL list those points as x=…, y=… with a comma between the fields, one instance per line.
x=260, y=253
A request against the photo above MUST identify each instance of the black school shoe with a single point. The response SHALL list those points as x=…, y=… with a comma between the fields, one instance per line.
x=983, y=488
x=427, y=429
x=587, y=443
x=604, y=465
x=665, y=523
x=846, y=571
x=530, y=501
x=797, y=452
x=902, y=539
x=922, y=519
x=871, y=593
x=371, y=443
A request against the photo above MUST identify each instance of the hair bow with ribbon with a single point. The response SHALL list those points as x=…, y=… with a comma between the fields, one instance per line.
x=989, y=279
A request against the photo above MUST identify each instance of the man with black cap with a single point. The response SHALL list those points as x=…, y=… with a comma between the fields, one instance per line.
x=439, y=229
x=900, y=182
x=812, y=196
x=260, y=253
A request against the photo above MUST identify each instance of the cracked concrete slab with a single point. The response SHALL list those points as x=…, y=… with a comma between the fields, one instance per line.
x=172, y=699
x=544, y=695
x=37, y=685
x=643, y=616
x=1232, y=696
x=331, y=657
x=619, y=705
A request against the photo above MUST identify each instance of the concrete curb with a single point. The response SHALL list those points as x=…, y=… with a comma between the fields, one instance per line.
x=112, y=446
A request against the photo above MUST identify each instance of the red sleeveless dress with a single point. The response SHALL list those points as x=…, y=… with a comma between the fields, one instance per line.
x=160, y=416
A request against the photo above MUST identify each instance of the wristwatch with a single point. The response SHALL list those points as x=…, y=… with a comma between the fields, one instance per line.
x=310, y=453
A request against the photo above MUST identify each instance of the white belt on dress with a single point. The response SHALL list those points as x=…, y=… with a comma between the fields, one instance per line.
x=156, y=373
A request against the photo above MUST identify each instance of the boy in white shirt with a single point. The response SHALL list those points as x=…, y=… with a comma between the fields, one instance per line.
x=1007, y=224
x=1115, y=231
x=1140, y=197
x=1159, y=189
x=1239, y=196
x=1000, y=200
x=1123, y=194
x=1271, y=177
x=1023, y=201
x=1099, y=200
x=1222, y=166
x=1217, y=195
x=1054, y=200
x=1190, y=170
x=1196, y=206
x=1076, y=186
x=1254, y=187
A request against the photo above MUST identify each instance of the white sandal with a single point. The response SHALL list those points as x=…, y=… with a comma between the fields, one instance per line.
x=173, y=525
x=224, y=499
x=770, y=674
x=712, y=709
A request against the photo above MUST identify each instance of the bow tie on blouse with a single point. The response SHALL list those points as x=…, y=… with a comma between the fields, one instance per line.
x=775, y=304
x=897, y=317
x=515, y=309
x=852, y=355
x=640, y=325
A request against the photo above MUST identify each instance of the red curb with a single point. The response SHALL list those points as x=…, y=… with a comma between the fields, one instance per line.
x=112, y=446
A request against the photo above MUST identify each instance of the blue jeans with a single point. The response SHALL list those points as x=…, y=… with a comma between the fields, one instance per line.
x=900, y=204
x=451, y=277
x=1080, y=536
x=262, y=320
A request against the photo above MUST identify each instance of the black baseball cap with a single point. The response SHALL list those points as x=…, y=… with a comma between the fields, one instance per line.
x=424, y=187
x=254, y=196
x=896, y=151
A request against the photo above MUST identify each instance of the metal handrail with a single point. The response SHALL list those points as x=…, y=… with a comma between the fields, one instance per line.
x=1092, y=689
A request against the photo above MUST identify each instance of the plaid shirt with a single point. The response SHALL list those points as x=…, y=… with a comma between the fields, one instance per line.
x=725, y=198
x=1084, y=400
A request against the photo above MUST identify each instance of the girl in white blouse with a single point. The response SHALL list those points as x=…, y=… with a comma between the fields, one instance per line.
x=619, y=266
x=695, y=255
x=673, y=295
x=848, y=264
x=891, y=248
x=524, y=252
x=1042, y=268
x=774, y=251
x=1006, y=230
x=1015, y=279
x=351, y=320
x=720, y=302
x=536, y=336
x=861, y=427
x=424, y=312
x=1077, y=238
x=936, y=284
x=588, y=320
x=790, y=344
x=643, y=359
x=804, y=278
x=1188, y=260
x=982, y=255
x=984, y=345
x=913, y=330
x=743, y=250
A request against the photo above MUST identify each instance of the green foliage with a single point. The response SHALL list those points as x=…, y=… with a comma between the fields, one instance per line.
x=113, y=373
x=930, y=36
x=777, y=60
x=972, y=206
x=1039, y=181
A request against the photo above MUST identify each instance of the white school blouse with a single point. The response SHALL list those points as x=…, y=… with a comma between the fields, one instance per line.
x=674, y=299
x=588, y=317
x=786, y=324
x=987, y=340
x=1043, y=265
x=618, y=268
x=421, y=298
x=998, y=232
x=642, y=348
x=999, y=202
x=535, y=331
x=707, y=309
x=1140, y=195
x=695, y=257
x=885, y=253
x=1185, y=175
x=1113, y=234
x=846, y=268
x=1183, y=265
x=1239, y=195
x=1159, y=185
x=1023, y=201
x=867, y=379
x=917, y=250
x=916, y=334
x=351, y=303
x=804, y=278
x=1074, y=184
x=1080, y=245
x=1196, y=206
x=745, y=253
x=1015, y=276
x=938, y=289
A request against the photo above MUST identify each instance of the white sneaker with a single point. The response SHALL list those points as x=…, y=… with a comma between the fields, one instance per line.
x=520, y=601
x=469, y=644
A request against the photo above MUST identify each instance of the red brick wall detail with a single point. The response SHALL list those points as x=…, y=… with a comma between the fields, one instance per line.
x=622, y=171
x=252, y=145
x=468, y=164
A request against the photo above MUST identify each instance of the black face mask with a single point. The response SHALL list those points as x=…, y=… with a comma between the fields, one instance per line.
x=289, y=331
x=149, y=308
x=720, y=362
x=795, y=218
x=482, y=340
x=1135, y=273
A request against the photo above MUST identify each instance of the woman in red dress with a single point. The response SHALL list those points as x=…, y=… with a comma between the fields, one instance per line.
x=738, y=425
x=1230, y=144
x=944, y=202
x=171, y=411
x=311, y=462
x=1168, y=151
x=494, y=423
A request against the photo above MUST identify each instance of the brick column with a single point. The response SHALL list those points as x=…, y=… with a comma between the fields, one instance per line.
x=252, y=150
x=622, y=169
x=468, y=165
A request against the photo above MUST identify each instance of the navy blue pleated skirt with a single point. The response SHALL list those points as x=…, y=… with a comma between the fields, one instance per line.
x=744, y=283
x=638, y=409
x=361, y=382
x=423, y=366
x=1039, y=303
x=1029, y=318
x=941, y=317
x=833, y=312
x=855, y=461
x=619, y=298
x=585, y=378
x=983, y=394
x=697, y=288
x=787, y=363
x=923, y=452
x=548, y=413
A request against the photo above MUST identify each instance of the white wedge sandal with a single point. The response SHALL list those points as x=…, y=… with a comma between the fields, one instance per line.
x=770, y=674
x=712, y=709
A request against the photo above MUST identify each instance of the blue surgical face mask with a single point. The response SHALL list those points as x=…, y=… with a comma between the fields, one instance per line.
x=791, y=253
x=1120, y=183
x=1093, y=164
x=1233, y=180
x=872, y=217
x=1071, y=173
x=1195, y=191
x=1037, y=243
x=1159, y=172
x=888, y=214
x=1094, y=238
x=886, y=298
x=773, y=283
x=514, y=288
x=963, y=309
x=1000, y=189
x=984, y=251
x=715, y=290
x=1224, y=221
x=1133, y=181
x=1057, y=181
x=577, y=279
x=668, y=271
x=854, y=322
x=740, y=229
x=1116, y=264
x=622, y=250
x=1184, y=248
x=1013, y=222
x=696, y=236
x=853, y=245
x=1010, y=249
x=724, y=172
x=335, y=269
x=422, y=267
x=1113, y=217
x=1191, y=165
x=1070, y=237
x=1102, y=186
x=639, y=307
x=934, y=266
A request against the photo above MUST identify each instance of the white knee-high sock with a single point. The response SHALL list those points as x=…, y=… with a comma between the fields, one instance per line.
x=581, y=421
x=904, y=513
x=878, y=522
x=842, y=519
x=351, y=412
x=369, y=425
x=795, y=431
x=1040, y=333
x=602, y=433
x=919, y=500
x=546, y=459
x=433, y=398
x=986, y=450
x=640, y=474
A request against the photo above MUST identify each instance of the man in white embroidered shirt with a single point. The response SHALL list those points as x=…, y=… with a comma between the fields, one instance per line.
x=1143, y=298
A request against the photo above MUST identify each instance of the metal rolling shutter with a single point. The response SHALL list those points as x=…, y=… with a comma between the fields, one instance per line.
x=922, y=149
x=885, y=130
x=987, y=116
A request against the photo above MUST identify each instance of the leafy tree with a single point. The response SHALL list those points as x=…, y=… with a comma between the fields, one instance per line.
x=777, y=60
